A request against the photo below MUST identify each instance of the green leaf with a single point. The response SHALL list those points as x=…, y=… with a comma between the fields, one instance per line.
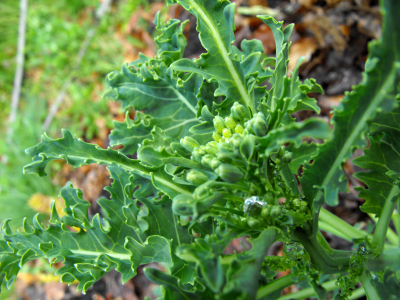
x=301, y=155
x=205, y=252
x=215, y=24
x=243, y=282
x=78, y=153
x=314, y=128
x=148, y=84
x=281, y=36
x=131, y=133
x=97, y=247
x=174, y=290
x=389, y=286
x=376, y=93
x=382, y=158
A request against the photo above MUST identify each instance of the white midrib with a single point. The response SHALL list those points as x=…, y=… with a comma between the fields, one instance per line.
x=96, y=254
x=225, y=55
x=356, y=132
x=184, y=100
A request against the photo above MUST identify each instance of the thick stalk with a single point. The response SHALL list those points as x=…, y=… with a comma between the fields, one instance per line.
x=290, y=180
x=370, y=290
x=276, y=285
x=388, y=258
x=390, y=234
x=323, y=257
x=383, y=222
x=328, y=286
x=339, y=225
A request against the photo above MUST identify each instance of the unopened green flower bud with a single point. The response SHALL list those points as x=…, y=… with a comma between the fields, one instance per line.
x=236, y=140
x=230, y=123
x=215, y=163
x=276, y=211
x=227, y=133
x=266, y=212
x=249, y=126
x=261, y=115
x=269, y=197
x=303, y=209
x=239, y=129
x=211, y=149
x=238, y=111
x=287, y=158
x=203, y=149
x=184, y=220
x=296, y=202
x=226, y=152
x=206, y=115
x=259, y=126
x=216, y=136
x=281, y=152
x=196, y=156
x=219, y=124
x=206, y=160
x=196, y=177
x=247, y=147
x=253, y=223
x=183, y=205
x=189, y=143
x=229, y=173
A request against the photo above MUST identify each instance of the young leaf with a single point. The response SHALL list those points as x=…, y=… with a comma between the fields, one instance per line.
x=215, y=24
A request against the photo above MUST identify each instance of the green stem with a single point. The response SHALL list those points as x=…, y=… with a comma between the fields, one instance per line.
x=370, y=290
x=276, y=285
x=310, y=292
x=328, y=228
x=323, y=257
x=383, y=222
x=347, y=231
x=388, y=258
x=390, y=234
x=290, y=180
x=328, y=286
x=358, y=293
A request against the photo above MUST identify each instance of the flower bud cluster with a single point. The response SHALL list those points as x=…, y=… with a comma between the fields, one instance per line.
x=271, y=214
x=238, y=124
x=283, y=156
x=236, y=155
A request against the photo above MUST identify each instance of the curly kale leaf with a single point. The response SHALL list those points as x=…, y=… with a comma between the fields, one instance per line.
x=91, y=247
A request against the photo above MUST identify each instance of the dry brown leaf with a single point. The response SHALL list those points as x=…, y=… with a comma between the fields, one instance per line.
x=258, y=2
x=307, y=3
x=91, y=179
x=329, y=102
x=304, y=47
x=265, y=35
x=325, y=31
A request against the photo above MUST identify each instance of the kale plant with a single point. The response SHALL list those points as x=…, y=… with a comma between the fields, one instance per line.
x=217, y=158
